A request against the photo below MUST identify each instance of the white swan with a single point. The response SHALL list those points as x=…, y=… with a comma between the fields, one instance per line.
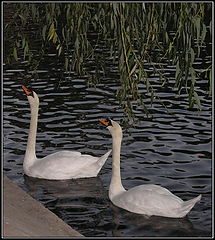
x=60, y=165
x=146, y=199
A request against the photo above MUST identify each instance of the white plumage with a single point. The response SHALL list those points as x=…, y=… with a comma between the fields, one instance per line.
x=60, y=165
x=66, y=165
x=146, y=199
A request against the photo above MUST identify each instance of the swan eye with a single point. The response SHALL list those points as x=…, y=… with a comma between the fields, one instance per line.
x=107, y=122
x=28, y=91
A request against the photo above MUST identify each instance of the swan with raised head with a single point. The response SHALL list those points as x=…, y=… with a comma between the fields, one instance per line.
x=146, y=199
x=59, y=165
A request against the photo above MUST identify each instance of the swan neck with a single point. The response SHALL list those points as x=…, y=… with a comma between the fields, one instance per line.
x=30, y=154
x=116, y=183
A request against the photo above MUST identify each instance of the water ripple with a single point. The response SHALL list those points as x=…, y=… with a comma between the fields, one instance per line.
x=169, y=149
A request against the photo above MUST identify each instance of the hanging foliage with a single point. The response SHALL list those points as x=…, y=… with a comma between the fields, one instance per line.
x=131, y=32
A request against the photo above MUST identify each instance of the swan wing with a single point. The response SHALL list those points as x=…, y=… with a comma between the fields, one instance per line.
x=156, y=189
x=149, y=200
x=103, y=159
x=188, y=205
x=65, y=165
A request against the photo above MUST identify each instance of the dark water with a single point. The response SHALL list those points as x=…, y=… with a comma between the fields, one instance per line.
x=172, y=149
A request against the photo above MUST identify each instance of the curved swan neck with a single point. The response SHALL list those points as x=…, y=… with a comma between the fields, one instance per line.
x=30, y=154
x=116, y=184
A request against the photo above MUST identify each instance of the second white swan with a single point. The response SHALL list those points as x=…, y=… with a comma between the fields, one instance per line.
x=146, y=199
x=60, y=165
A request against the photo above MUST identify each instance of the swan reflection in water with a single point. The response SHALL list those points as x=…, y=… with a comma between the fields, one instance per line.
x=65, y=189
x=85, y=200
x=82, y=187
x=81, y=203
x=144, y=226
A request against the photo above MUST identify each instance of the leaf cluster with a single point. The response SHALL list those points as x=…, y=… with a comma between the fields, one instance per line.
x=131, y=31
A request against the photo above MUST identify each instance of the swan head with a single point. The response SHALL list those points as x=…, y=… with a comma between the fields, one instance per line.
x=114, y=127
x=32, y=96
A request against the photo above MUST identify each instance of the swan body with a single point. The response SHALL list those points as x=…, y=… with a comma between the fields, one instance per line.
x=66, y=165
x=59, y=165
x=146, y=199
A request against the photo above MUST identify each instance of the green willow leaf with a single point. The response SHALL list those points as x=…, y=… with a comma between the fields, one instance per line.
x=138, y=37
x=198, y=26
x=59, y=51
x=192, y=56
x=66, y=63
x=44, y=32
x=177, y=70
x=204, y=30
x=193, y=76
x=51, y=30
x=197, y=100
x=15, y=53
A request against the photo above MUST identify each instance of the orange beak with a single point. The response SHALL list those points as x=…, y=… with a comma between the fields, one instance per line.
x=104, y=122
x=27, y=91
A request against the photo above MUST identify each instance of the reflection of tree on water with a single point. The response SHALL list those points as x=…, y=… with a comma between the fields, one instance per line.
x=144, y=226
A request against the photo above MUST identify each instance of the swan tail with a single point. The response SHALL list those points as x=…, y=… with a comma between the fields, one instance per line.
x=103, y=158
x=188, y=205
